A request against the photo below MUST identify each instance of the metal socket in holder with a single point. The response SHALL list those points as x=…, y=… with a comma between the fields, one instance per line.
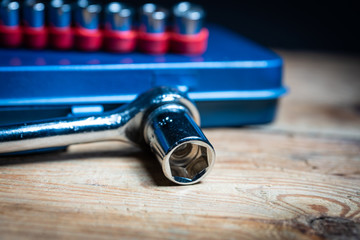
x=118, y=17
x=9, y=13
x=87, y=14
x=59, y=13
x=188, y=18
x=34, y=13
x=153, y=18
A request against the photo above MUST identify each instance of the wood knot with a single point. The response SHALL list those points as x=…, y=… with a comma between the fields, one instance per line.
x=335, y=228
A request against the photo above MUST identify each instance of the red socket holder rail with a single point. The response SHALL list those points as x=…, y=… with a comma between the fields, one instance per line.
x=10, y=36
x=112, y=41
x=35, y=38
x=189, y=44
x=87, y=40
x=61, y=38
x=119, y=41
x=153, y=43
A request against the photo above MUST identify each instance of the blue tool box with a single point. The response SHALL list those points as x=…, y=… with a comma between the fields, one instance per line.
x=235, y=82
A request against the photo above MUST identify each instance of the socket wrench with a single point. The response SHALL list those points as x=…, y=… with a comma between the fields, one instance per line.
x=162, y=119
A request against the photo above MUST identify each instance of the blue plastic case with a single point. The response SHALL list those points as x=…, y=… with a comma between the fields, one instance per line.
x=236, y=82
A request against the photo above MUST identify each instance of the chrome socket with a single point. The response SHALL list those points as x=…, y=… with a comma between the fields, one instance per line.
x=118, y=17
x=87, y=14
x=59, y=13
x=9, y=13
x=34, y=13
x=188, y=18
x=153, y=18
x=179, y=144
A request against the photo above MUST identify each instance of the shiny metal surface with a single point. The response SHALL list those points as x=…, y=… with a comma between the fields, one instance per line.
x=163, y=119
x=180, y=145
x=153, y=18
x=87, y=14
x=188, y=18
x=34, y=13
x=9, y=13
x=59, y=13
x=118, y=16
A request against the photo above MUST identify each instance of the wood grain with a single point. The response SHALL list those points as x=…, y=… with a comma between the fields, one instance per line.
x=296, y=179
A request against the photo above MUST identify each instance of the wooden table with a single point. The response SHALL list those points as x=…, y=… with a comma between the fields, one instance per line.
x=297, y=178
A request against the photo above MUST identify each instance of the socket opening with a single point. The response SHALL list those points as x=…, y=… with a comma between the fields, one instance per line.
x=190, y=161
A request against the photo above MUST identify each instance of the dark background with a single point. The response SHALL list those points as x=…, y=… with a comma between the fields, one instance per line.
x=302, y=25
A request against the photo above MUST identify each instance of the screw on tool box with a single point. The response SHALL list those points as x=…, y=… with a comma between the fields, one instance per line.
x=10, y=30
x=118, y=33
x=162, y=119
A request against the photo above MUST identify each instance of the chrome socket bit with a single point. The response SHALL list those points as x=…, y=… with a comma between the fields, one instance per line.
x=34, y=13
x=118, y=17
x=188, y=18
x=87, y=14
x=59, y=13
x=153, y=18
x=9, y=13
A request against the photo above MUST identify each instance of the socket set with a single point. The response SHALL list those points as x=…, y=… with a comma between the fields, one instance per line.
x=235, y=83
x=90, y=26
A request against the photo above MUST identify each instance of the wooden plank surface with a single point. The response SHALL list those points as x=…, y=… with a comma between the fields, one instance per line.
x=298, y=178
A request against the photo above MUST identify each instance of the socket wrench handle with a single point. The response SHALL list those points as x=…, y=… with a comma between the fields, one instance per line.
x=161, y=119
